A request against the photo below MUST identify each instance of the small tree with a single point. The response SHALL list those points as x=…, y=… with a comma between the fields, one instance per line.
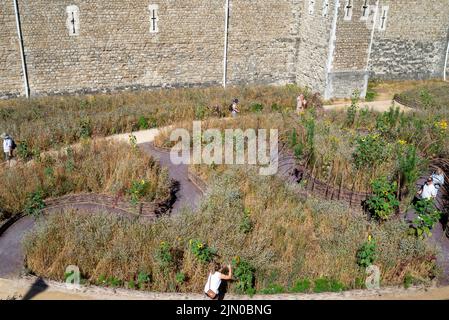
x=383, y=203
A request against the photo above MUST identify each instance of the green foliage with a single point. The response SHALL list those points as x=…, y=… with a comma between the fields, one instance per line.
x=138, y=190
x=426, y=98
x=273, y=289
x=370, y=150
x=256, y=107
x=366, y=255
x=163, y=255
x=23, y=151
x=180, y=278
x=352, y=110
x=202, y=251
x=427, y=216
x=143, y=280
x=131, y=285
x=383, y=203
x=302, y=286
x=327, y=285
x=408, y=162
x=387, y=122
x=142, y=123
x=85, y=128
x=244, y=274
x=246, y=226
x=200, y=112
x=35, y=203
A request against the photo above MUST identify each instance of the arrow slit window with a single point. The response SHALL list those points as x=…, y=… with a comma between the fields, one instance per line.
x=154, y=18
x=325, y=8
x=73, y=20
x=348, y=10
x=311, y=6
x=365, y=10
x=383, y=18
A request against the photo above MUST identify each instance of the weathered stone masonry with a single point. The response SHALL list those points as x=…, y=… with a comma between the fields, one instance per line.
x=331, y=46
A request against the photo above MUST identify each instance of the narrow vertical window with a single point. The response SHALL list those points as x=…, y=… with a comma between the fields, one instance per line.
x=154, y=18
x=365, y=10
x=383, y=18
x=348, y=10
x=325, y=8
x=73, y=20
x=311, y=6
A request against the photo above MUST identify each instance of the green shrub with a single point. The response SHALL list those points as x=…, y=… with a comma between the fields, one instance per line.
x=408, y=167
x=370, y=150
x=142, y=123
x=163, y=255
x=200, y=113
x=366, y=255
x=273, y=289
x=246, y=226
x=256, y=107
x=202, y=251
x=23, y=151
x=143, y=280
x=138, y=190
x=352, y=110
x=301, y=286
x=427, y=216
x=35, y=203
x=327, y=285
x=244, y=274
x=180, y=278
x=131, y=285
x=85, y=128
x=383, y=203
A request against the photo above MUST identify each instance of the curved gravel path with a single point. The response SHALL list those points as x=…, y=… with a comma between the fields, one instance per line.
x=11, y=252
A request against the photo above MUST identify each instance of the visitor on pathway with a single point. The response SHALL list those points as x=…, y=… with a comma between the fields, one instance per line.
x=234, y=108
x=8, y=146
x=216, y=275
x=428, y=191
x=301, y=104
x=438, y=179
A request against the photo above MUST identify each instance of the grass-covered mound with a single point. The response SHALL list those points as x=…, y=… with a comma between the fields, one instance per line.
x=276, y=241
x=93, y=167
x=432, y=96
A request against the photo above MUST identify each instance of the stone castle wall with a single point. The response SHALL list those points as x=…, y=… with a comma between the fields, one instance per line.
x=270, y=42
x=11, y=82
x=414, y=43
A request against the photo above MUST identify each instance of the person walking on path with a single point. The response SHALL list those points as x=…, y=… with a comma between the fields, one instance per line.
x=438, y=179
x=428, y=191
x=234, y=108
x=301, y=104
x=8, y=146
x=214, y=281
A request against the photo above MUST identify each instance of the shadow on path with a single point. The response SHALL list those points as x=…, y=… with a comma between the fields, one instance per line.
x=38, y=287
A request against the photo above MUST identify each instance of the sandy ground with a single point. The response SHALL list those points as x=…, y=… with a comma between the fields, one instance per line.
x=377, y=106
x=26, y=288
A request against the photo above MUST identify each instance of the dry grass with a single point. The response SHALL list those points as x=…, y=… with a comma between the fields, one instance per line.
x=291, y=239
x=97, y=167
x=49, y=122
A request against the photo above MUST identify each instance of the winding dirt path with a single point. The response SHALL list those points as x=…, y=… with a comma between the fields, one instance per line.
x=187, y=195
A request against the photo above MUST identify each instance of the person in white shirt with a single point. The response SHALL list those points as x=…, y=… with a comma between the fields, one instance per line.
x=7, y=146
x=428, y=191
x=216, y=275
x=438, y=179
